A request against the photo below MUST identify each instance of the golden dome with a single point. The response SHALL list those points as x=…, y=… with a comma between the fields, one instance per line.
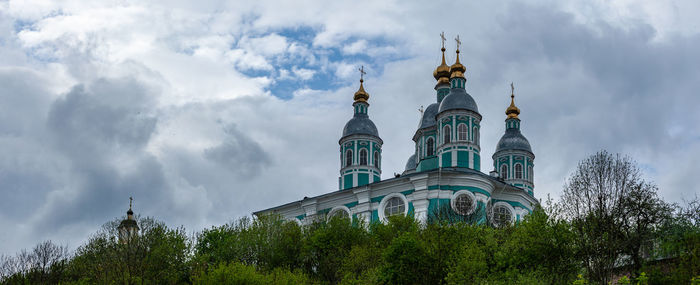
x=512, y=111
x=361, y=95
x=443, y=70
x=457, y=69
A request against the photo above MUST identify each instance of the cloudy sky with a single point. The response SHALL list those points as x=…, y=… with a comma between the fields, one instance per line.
x=206, y=111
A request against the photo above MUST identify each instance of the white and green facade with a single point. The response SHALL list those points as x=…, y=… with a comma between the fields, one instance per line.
x=444, y=171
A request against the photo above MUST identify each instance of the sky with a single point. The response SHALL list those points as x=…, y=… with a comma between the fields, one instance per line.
x=206, y=111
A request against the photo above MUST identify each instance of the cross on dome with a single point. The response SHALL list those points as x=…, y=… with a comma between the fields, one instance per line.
x=458, y=42
x=442, y=36
x=362, y=73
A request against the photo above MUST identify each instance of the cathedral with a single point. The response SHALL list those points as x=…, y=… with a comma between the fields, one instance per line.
x=444, y=172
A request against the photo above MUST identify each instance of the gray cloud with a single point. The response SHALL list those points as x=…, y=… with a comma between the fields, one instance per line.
x=241, y=155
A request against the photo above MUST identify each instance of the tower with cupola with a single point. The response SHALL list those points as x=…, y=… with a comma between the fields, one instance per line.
x=514, y=160
x=426, y=137
x=360, y=145
x=128, y=228
x=458, y=122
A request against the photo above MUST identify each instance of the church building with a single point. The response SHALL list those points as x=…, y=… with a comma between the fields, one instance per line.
x=444, y=172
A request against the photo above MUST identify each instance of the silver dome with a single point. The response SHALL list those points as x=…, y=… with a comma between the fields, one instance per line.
x=428, y=119
x=513, y=140
x=458, y=99
x=411, y=163
x=360, y=124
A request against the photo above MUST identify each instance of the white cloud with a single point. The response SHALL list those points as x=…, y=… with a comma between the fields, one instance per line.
x=355, y=47
x=303, y=73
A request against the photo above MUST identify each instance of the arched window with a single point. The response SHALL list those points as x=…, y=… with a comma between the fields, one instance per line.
x=462, y=132
x=476, y=135
x=518, y=171
x=376, y=159
x=430, y=147
x=395, y=206
x=502, y=216
x=348, y=158
x=338, y=213
x=504, y=171
x=530, y=174
x=446, y=134
x=363, y=157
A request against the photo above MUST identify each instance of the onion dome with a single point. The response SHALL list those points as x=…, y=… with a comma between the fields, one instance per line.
x=512, y=111
x=411, y=163
x=442, y=72
x=361, y=95
x=457, y=69
x=428, y=119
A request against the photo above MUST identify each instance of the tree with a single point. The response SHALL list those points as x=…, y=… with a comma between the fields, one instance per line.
x=157, y=255
x=44, y=264
x=612, y=210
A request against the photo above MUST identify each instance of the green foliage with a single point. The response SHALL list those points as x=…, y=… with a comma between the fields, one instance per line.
x=237, y=273
x=580, y=280
x=642, y=279
x=159, y=254
x=328, y=244
x=406, y=261
x=541, y=249
x=624, y=280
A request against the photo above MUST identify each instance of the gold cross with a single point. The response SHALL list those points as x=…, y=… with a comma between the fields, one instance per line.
x=442, y=36
x=362, y=72
x=458, y=42
x=130, y=200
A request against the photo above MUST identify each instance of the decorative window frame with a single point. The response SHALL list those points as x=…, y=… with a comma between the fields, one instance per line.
x=376, y=160
x=500, y=172
x=430, y=148
x=359, y=157
x=337, y=209
x=515, y=171
x=382, y=205
x=459, y=132
x=508, y=206
x=348, y=163
x=446, y=130
x=453, y=201
x=475, y=134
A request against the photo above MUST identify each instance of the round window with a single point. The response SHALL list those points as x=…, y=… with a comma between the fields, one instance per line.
x=502, y=216
x=394, y=206
x=464, y=204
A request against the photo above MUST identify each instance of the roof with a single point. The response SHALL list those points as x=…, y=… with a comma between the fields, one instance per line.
x=513, y=140
x=458, y=99
x=411, y=163
x=428, y=119
x=360, y=124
